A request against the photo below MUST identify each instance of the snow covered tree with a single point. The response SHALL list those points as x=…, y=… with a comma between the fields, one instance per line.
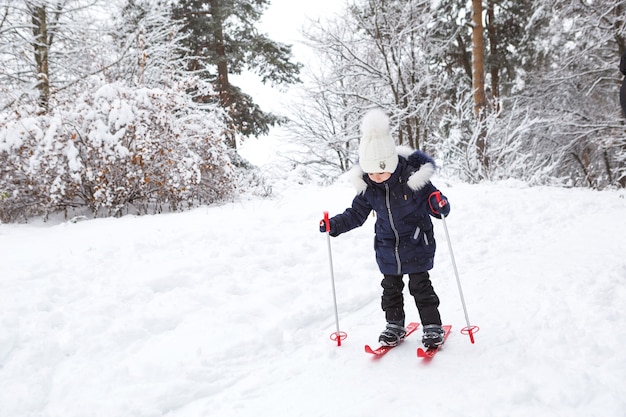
x=508, y=37
x=478, y=79
x=47, y=47
x=573, y=89
x=114, y=150
x=149, y=44
x=113, y=145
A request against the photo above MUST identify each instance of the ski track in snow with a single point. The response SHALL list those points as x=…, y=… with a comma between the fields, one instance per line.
x=227, y=310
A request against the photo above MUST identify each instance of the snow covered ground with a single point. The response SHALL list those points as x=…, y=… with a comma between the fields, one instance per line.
x=227, y=311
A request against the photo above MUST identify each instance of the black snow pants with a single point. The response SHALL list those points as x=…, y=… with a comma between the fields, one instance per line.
x=422, y=291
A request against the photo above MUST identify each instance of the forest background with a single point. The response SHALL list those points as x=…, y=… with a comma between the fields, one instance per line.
x=129, y=106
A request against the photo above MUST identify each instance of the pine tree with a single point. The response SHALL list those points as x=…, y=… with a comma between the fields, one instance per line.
x=223, y=40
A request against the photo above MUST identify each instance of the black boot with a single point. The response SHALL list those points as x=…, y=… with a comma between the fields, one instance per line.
x=433, y=336
x=392, y=335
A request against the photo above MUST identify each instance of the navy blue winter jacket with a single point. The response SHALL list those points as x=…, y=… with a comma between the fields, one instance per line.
x=404, y=240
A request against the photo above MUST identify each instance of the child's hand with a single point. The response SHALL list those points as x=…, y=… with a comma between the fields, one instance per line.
x=439, y=204
x=323, y=226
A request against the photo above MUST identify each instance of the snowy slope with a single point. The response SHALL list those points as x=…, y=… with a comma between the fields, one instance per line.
x=227, y=311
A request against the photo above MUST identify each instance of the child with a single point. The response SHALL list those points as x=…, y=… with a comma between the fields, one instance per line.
x=398, y=189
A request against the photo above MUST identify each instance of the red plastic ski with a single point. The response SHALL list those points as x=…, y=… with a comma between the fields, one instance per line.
x=380, y=351
x=429, y=353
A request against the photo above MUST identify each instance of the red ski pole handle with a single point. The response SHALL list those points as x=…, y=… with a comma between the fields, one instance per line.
x=326, y=222
x=440, y=202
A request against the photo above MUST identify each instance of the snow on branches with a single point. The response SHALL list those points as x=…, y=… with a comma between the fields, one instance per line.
x=114, y=148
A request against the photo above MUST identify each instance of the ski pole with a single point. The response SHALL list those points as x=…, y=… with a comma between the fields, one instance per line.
x=469, y=330
x=338, y=335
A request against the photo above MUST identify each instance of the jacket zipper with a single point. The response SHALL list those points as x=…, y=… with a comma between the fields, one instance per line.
x=393, y=227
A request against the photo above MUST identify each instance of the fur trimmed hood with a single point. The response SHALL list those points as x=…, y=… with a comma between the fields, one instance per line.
x=416, y=159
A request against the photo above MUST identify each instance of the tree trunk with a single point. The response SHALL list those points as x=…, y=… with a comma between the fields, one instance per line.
x=478, y=79
x=223, y=85
x=495, y=59
x=40, y=47
x=621, y=44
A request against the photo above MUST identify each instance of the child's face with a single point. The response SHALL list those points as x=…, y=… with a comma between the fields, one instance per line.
x=379, y=177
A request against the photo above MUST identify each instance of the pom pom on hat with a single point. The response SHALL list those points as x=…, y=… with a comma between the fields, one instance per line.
x=377, y=149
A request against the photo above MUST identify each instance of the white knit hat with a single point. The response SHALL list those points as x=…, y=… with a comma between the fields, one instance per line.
x=377, y=150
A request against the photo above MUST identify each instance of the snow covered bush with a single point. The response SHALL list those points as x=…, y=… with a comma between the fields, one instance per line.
x=113, y=149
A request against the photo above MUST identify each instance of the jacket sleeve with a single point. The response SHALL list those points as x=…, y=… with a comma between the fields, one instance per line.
x=352, y=218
